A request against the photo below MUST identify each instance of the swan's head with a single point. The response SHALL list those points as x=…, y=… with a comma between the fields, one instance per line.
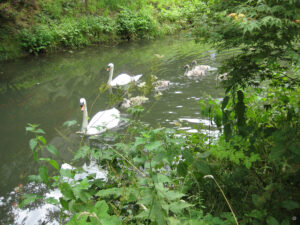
x=82, y=102
x=194, y=63
x=110, y=66
x=187, y=67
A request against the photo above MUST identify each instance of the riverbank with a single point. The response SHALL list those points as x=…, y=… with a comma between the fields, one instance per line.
x=39, y=27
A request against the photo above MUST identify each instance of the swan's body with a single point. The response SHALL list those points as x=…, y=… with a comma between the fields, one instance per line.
x=193, y=72
x=100, y=122
x=202, y=67
x=121, y=79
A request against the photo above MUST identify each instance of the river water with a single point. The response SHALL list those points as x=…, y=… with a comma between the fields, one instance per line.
x=45, y=90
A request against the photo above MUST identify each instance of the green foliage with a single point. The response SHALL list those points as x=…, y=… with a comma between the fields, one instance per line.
x=43, y=26
x=36, y=40
x=145, y=180
x=259, y=115
x=131, y=24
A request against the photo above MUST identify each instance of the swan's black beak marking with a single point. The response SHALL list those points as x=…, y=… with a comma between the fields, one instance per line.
x=82, y=106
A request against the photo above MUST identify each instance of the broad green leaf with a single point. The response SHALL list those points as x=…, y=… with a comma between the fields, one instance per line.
x=54, y=164
x=64, y=203
x=115, y=192
x=158, y=213
x=112, y=220
x=29, y=198
x=153, y=145
x=290, y=205
x=179, y=206
x=272, y=221
x=40, y=131
x=32, y=143
x=42, y=139
x=173, y=195
x=66, y=190
x=52, y=149
x=140, y=141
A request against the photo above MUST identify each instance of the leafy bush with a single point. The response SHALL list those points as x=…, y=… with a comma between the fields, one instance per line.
x=150, y=178
x=131, y=25
x=37, y=39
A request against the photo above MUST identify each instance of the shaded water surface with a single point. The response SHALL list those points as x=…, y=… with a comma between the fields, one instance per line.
x=46, y=90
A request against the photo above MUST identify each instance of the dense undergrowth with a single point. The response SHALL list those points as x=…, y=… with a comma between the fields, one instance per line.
x=36, y=26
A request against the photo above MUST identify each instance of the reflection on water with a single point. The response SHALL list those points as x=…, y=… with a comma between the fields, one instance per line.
x=46, y=91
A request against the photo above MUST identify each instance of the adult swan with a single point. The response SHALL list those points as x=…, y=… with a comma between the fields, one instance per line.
x=121, y=79
x=101, y=122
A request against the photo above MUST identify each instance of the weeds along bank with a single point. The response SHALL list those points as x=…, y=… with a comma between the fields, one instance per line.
x=40, y=26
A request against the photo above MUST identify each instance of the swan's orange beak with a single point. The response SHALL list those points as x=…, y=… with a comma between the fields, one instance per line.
x=108, y=69
x=82, y=107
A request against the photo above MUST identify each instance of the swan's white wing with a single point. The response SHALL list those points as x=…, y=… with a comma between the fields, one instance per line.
x=121, y=79
x=103, y=120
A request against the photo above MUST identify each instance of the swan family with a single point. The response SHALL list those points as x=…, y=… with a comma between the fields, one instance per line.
x=108, y=119
x=197, y=70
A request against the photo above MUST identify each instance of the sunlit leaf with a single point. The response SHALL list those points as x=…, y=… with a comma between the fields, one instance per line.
x=32, y=143
x=52, y=201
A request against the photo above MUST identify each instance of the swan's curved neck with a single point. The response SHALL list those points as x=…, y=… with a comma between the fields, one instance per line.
x=111, y=71
x=84, y=120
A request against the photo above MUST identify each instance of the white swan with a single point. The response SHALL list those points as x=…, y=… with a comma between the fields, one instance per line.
x=202, y=67
x=193, y=72
x=101, y=122
x=121, y=79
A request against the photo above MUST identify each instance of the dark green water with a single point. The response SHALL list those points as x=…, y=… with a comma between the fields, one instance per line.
x=45, y=90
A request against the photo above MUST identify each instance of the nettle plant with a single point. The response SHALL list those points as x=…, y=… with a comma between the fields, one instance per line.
x=153, y=176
